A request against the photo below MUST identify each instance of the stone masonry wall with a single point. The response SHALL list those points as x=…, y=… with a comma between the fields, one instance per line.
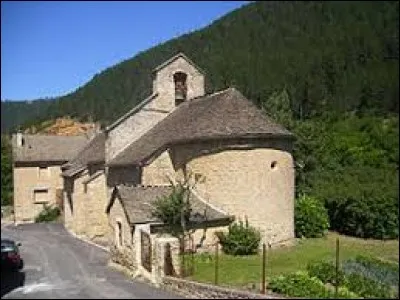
x=165, y=86
x=158, y=171
x=117, y=214
x=79, y=199
x=160, y=253
x=26, y=180
x=235, y=178
x=124, y=254
x=131, y=129
x=196, y=290
x=68, y=205
x=97, y=228
x=158, y=108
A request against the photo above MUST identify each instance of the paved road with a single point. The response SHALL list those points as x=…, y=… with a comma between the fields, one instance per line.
x=58, y=265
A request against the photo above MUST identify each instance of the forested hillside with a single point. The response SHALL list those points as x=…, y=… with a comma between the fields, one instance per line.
x=329, y=71
x=15, y=113
x=330, y=56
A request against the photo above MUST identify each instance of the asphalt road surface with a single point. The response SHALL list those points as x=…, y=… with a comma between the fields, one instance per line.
x=58, y=265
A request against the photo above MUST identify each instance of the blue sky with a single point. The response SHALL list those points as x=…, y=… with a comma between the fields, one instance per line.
x=49, y=49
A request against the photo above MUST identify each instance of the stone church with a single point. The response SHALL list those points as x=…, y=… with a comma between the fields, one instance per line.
x=243, y=155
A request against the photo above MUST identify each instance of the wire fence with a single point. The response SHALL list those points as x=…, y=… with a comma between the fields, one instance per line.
x=223, y=267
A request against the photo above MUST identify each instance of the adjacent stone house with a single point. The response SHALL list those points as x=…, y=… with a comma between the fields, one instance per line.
x=37, y=171
x=85, y=198
x=136, y=230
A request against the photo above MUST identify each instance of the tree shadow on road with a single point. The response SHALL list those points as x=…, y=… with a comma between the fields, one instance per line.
x=10, y=280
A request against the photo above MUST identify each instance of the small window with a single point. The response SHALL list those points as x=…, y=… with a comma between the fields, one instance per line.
x=119, y=234
x=43, y=171
x=41, y=196
x=273, y=165
x=180, y=87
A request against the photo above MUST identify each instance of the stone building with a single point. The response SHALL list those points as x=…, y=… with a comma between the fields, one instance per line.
x=244, y=156
x=178, y=131
x=136, y=231
x=37, y=169
x=85, y=197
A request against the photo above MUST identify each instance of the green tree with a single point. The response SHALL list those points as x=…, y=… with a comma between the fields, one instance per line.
x=6, y=171
x=175, y=209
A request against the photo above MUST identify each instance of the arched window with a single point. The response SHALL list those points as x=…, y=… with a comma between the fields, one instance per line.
x=180, y=87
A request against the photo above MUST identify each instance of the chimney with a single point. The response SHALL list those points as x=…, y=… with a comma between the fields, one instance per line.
x=20, y=139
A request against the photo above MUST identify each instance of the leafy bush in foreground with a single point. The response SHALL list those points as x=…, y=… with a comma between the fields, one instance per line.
x=326, y=272
x=48, y=214
x=300, y=284
x=241, y=239
x=367, y=288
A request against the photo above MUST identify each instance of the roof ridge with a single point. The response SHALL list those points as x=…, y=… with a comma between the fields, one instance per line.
x=52, y=135
x=189, y=102
x=203, y=97
x=173, y=58
x=142, y=186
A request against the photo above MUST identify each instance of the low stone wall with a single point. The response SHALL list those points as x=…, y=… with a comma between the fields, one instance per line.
x=124, y=257
x=191, y=289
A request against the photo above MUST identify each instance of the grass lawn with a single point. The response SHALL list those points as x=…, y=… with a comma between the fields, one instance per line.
x=244, y=271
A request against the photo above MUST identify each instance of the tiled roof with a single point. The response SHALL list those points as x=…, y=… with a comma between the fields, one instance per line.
x=93, y=152
x=138, y=203
x=222, y=115
x=47, y=148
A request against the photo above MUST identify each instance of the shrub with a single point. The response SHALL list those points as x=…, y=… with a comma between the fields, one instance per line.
x=365, y=216
x=48, y=214
x=366, y=287
x=311, y=217
x=241, y=239
x=326, y=272
x=300, y=284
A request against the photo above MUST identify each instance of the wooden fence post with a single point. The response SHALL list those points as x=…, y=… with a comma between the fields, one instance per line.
x=216, y=264
x=263, y=269
x=337, y=268
x=192, y=257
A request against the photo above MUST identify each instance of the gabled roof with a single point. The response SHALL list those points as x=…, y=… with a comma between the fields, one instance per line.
x=92, y=153
x=172, y=59
x=138, y=202
x=47, y=148
x=222, y=115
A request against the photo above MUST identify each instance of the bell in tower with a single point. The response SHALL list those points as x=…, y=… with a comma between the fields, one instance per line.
x=180, y=87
